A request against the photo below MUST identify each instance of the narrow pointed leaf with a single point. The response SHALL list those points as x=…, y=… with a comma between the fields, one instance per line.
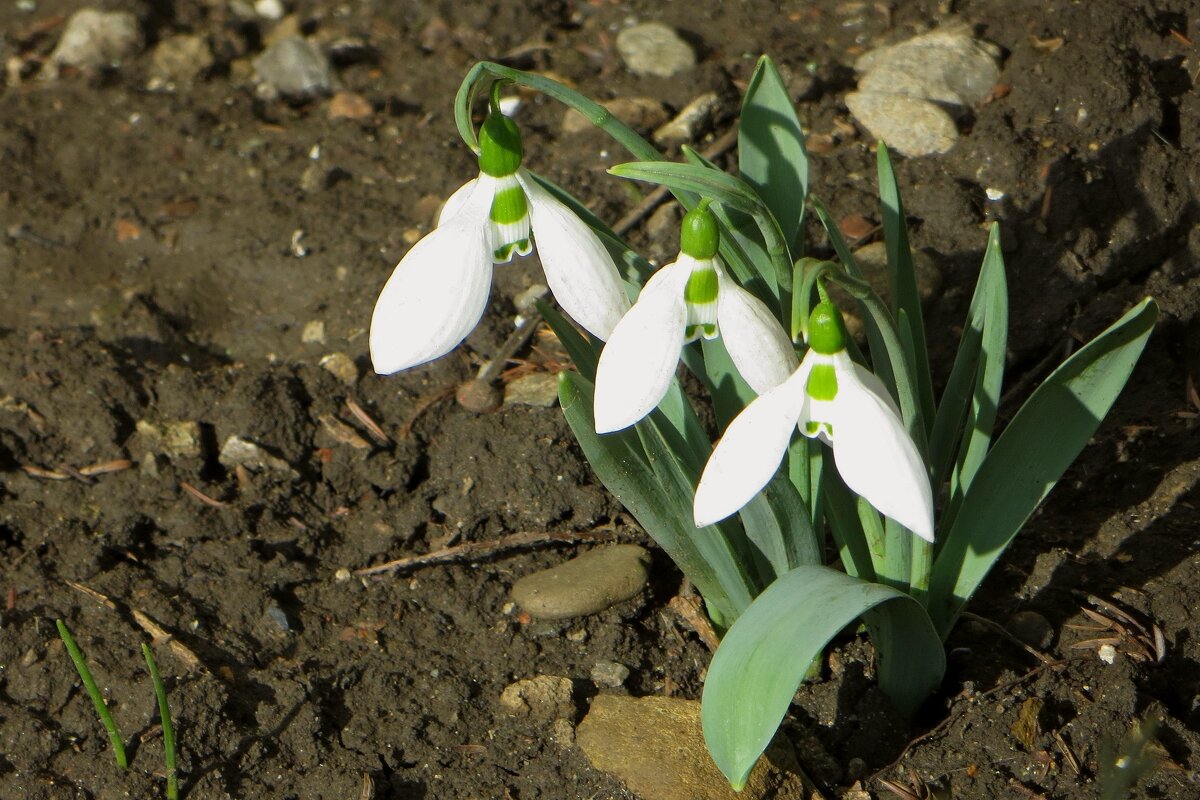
x=906, y=300
x=705, y=181
x=771, y=154
x=777, y=521
x=766, y=653
x=1035, y=449
x=977, y=378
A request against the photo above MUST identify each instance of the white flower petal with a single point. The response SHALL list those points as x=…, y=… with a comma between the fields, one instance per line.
x=579, y=271
x=454, y=203
x=436, y=294
x=640, y=357
x=875, y=455
x=750, y=451
x=757, y=343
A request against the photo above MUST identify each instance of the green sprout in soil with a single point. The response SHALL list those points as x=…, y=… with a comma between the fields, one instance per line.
x=114, y=734
x=85, y=675
x=168, y=729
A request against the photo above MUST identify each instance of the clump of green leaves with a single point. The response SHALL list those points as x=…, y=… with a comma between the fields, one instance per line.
x=763, y=572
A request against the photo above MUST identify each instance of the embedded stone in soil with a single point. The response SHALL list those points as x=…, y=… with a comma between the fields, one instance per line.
x=586, y=584
x=655, y=745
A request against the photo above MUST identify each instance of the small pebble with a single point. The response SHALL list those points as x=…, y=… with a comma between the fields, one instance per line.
x=609, y=674
x=237, y=451
x=313, y=333
x=179, y=60
x=586, y=584
x=653, y=48
x=691, y=123
x=537, y=389
x=94, y=39
x=340, y=366
x=176, y=438
x=293, y=68
x=542, y=697
x=347, y=105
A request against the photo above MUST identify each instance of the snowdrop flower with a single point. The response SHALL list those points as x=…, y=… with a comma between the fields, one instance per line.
x=683, y=301
x=439, y=290
x=835, y=400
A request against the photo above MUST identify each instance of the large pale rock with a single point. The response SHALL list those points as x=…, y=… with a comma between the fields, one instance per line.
x=948, y=67
x=655, y=745
x=586, y=584
x=654, y=49
x=909, y=93
x=909, y=125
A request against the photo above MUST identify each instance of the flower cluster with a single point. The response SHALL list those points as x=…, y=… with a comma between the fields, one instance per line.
x=439, y=290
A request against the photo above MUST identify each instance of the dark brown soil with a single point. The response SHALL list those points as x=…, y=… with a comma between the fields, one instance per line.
x=150, y=276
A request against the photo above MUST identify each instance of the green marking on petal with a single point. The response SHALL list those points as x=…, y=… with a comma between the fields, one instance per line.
x=701, y=287
x=509, y=206
x=822, y=383
x=504, y=253
x=812, y=428
x=826, y=330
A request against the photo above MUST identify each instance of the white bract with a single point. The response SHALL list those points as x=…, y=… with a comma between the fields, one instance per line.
x=687, y=299
x=439, y=290
x=837, y=401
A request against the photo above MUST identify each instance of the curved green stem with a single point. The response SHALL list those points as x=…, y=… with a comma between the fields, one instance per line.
x=595, y=113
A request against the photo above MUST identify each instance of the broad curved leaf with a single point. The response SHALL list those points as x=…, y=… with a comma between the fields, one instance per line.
x=766, y=653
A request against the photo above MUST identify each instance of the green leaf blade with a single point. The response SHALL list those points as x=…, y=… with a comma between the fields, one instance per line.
x=766, y=653
x=771, y=153
x=1043, y=439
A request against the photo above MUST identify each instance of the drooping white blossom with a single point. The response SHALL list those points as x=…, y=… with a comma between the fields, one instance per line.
x=439, y=290
x=831, y=398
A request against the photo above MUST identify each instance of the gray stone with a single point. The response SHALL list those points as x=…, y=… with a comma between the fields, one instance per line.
x=691, y=123
x=909, y=125
x=948, y=67
x=908, y=91
x=541, y=698
x=609, y=674
x=179, y=60
x=538, y=389
x=586, y=584
x=239, y=452
x=654, y=49
x=94, y=39
x=655, y=745
x=294, y=68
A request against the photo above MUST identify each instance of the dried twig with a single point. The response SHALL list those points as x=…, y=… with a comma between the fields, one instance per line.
x=474, y=550
x=371, y=425
x=201, y=496
x=156, y=631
